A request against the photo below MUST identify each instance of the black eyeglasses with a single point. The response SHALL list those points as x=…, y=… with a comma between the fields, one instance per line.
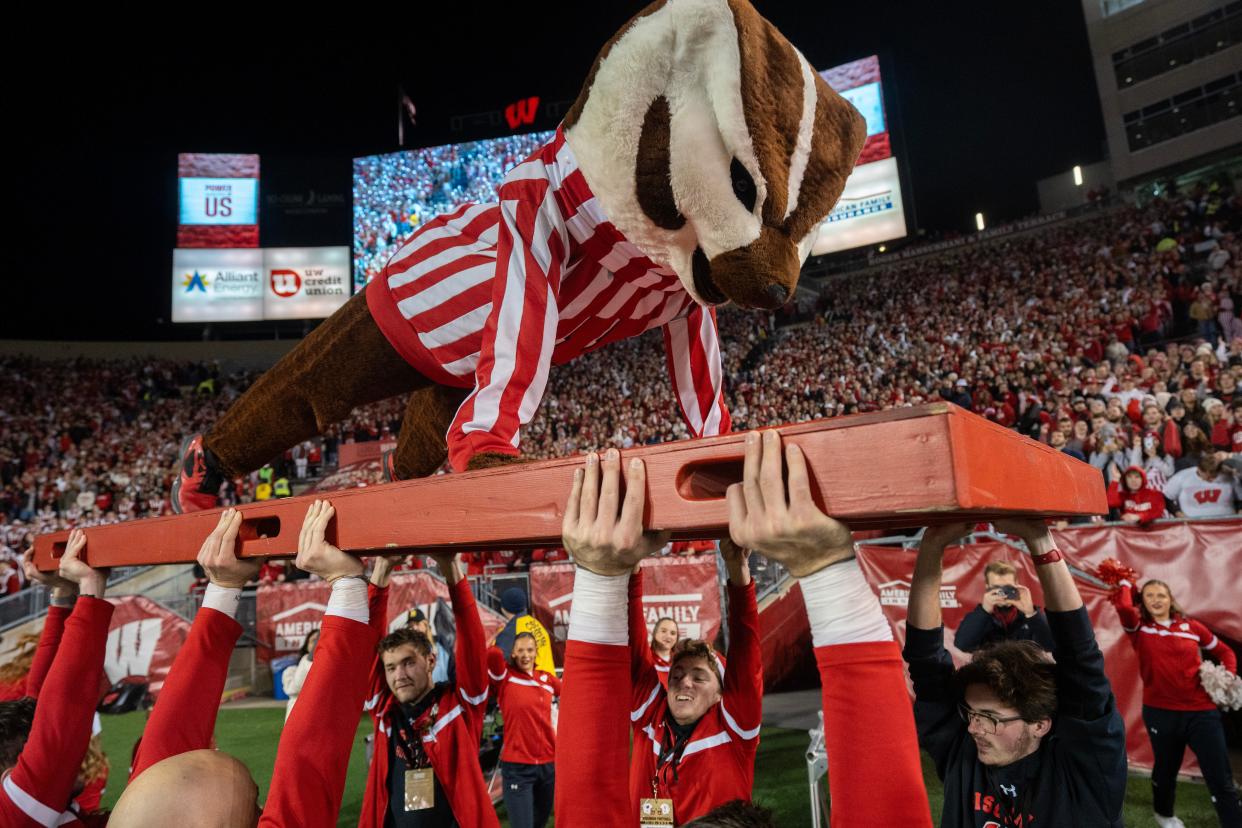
x=987, y=721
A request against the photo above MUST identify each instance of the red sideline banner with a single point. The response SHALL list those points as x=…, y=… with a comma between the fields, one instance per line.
x=888, y=571
x=1198, y=560
x=684, y=589
x=286, y=613
x=143, y=640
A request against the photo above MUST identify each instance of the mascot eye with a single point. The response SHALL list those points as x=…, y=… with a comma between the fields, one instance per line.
x=743, y=185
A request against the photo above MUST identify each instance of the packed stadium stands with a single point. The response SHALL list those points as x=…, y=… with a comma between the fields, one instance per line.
x=1136, y=308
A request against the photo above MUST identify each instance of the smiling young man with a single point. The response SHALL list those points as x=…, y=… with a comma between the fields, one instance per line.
x=425, y=770
x=695, y=741
x=1017, y=739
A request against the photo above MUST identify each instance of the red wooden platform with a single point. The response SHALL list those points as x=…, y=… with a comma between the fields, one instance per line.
x=900, y=468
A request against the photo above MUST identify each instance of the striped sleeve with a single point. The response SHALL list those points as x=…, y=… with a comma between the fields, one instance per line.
x=692, y=348
x=518, y=338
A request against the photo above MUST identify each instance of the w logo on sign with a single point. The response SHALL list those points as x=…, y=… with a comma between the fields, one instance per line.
x=1207, y=496
x=130, y=648
x=522, y=112
x=286, y=282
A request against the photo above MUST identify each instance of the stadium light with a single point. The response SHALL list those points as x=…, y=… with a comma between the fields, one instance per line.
x=883, y=248
x=978, y=221
x=1077, y=176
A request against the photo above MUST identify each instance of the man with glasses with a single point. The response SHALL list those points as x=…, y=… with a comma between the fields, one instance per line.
x=1017, y=738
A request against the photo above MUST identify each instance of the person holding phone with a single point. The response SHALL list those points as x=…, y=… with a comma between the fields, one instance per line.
x=1006, y=613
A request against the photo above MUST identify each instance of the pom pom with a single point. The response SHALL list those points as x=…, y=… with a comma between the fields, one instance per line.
x=1222, y=686
x=1112, y=572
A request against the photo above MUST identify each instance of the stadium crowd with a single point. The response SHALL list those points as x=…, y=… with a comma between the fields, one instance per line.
x=1116, y=338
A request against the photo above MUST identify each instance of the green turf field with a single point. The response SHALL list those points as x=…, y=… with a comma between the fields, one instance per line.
x=252, y=734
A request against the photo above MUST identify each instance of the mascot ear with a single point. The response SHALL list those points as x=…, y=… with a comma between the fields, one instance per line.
x=653, y=180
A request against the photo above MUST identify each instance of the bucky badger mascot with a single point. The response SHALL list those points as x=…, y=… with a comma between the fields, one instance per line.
x=693, y=169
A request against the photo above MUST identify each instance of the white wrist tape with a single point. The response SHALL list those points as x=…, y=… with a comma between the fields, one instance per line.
x=599, y=614
x=841, y=607
x=349, y=600
x=222, y=599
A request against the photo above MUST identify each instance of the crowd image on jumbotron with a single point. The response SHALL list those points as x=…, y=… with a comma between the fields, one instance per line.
x=714, y=413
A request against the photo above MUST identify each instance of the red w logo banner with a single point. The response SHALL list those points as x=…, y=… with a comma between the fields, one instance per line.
x=522, y=112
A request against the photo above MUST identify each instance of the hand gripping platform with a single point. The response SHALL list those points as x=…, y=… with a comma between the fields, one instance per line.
x=900, y=468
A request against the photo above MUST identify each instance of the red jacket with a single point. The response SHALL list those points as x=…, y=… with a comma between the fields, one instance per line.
x=1169, y=656
x=718, y=763
x=525, y=701
x=39, y=789
x=876, y=781
x=1146, y=503
x=452, y=742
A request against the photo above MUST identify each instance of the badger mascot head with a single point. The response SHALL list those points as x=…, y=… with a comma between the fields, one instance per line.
x=713, y=146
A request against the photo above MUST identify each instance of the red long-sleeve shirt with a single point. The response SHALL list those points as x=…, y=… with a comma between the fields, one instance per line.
x=525, y=701
x=452, y=740
x=37, y=791
x=312, y=758
x=718, y=763
x=184, y=718
x=493, y=295
x=876, y=780
x=1169, y=656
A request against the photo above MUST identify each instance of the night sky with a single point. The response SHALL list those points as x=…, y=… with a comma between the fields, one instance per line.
x=990, y=98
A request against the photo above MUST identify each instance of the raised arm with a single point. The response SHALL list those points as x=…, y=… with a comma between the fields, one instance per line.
x=470, y=648
x=313, y=755
x=863, y=687
x=184, y=718
x=377, y=611
x=63, y=595
x=41, y=784
x=692, y=351
x=1082, y=687
x=518, y=337
x=743, y=680
x=607, y=540
x=642, y=661
x=1122, y=599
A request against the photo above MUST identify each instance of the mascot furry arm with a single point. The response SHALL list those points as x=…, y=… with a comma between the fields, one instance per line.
x=694, y=168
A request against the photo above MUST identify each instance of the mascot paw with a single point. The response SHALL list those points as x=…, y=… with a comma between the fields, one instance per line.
x=491, y=460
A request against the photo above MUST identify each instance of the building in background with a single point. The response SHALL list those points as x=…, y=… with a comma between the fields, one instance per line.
x=1169, y=74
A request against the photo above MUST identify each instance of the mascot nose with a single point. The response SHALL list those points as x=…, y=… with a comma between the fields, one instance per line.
x=779, y=294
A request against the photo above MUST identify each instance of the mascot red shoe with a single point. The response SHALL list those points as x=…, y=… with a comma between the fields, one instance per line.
x=693, y=169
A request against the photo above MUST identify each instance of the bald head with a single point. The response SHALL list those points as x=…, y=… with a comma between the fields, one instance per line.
x=199, y=789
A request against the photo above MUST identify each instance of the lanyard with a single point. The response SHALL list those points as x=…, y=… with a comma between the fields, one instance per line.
x=671, y=748
x=407, y=737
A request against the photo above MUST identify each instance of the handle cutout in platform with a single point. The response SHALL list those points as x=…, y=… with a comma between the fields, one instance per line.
x=260, y=527
x=708, y=479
